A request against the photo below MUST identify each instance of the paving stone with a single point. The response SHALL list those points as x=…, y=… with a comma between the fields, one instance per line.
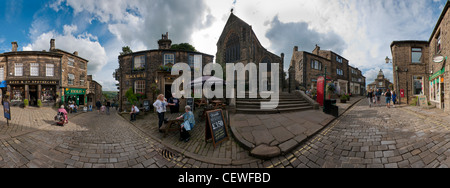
x=265, y=151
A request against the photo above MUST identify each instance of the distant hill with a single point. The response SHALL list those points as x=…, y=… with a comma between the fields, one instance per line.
x=110, y=94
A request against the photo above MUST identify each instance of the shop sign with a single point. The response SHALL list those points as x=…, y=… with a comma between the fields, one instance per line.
x=438, y=58
x=44, y=82
x=437, y=74
x=136, y=76
x=74, y=91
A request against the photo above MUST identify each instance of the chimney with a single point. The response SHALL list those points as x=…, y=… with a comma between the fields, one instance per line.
x=165, y=43
x=75, y=53
x=14, y=46
x=316, y=50
x=295, y=48
x=52, y=45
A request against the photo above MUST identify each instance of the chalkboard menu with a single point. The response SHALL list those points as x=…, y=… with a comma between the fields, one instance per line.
x=216, y=127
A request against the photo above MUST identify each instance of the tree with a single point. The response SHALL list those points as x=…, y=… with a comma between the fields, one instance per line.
x=184, y=46
x=126, y=50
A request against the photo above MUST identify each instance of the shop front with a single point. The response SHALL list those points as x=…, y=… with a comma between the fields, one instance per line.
x=437, y=84
x=33, y=90
x=74, y=96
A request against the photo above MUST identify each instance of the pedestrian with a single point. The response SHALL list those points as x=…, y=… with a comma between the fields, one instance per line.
x=134, y=112
x=388, y=98
x=394, y=98
x=108, y=105
x=174, y=104
x=188, y=124
x=370, y=97
x=160, y=105
x=378, y=95
x=98, y=104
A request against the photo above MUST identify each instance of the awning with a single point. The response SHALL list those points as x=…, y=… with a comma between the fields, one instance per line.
x=3, y=84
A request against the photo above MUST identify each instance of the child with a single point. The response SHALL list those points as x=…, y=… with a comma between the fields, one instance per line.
x=188, y=125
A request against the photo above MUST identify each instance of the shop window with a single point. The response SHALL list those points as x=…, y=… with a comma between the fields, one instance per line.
x=34, y=69
x=416, y=55
x=139, y=86
x=18, y=69
x=418, y=85
x=169, y=59
x=71, y=79
x=50, y=70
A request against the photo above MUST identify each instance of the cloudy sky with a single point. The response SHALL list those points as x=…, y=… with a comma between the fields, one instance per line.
x=359, y=30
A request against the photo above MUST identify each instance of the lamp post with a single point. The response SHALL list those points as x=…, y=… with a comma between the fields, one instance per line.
x=396, y=69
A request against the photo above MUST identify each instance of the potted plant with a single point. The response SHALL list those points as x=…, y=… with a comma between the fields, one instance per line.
x=25, y=103
x=39, y=103
x=344, y=98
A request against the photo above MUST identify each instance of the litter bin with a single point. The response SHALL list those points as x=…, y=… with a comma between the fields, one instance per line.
x=331, y=108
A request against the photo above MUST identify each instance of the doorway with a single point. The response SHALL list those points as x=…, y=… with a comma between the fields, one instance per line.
x=33, y=95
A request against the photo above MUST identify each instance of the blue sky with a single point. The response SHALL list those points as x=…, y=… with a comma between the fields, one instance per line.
x=359, y=30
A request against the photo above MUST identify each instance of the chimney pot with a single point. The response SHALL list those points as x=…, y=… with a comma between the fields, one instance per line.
x=75, y=53
x=52, y=45
x=14, y=46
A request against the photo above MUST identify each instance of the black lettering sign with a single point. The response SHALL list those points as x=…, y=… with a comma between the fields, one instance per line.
x=218, y=130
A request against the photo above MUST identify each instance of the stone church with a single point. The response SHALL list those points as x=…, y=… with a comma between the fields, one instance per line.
x=238, y=43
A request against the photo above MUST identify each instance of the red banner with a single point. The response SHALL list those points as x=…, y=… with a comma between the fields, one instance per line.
x=320, y=90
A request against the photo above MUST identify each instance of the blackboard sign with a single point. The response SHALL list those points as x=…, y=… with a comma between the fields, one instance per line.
x=216, y=127
x=7, y=111
x=190, y=102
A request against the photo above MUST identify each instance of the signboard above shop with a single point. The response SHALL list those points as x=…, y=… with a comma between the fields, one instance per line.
x=74, y=91
x=439, y=58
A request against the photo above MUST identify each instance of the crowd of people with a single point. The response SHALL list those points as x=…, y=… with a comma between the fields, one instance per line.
x=374, y=97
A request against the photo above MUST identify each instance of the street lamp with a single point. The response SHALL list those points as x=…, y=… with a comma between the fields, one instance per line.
x=396, y=69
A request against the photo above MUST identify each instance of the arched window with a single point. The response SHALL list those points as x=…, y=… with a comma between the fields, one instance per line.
x=233, y=49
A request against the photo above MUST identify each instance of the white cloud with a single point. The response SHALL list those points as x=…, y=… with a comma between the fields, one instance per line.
x=85, y=44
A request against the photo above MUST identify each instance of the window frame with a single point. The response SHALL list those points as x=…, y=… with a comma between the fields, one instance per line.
x=71, y=62
x=167, y=60
x=34, y=69
x=142, y=61
x=49, y=67
x=412, y=55
x=414, y=79
x=139, y=85
x=16, y=66
x=70, y=81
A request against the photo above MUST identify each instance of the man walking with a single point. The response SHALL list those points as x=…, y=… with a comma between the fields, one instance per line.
x=378, y=94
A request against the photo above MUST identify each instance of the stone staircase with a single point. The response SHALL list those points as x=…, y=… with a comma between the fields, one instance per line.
x=287, y=103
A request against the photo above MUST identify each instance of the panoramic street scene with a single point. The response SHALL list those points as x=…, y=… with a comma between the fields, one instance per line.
x=249, y=84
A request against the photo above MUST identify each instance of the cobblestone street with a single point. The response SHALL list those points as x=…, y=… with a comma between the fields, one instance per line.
x=375, y=137
x=363, y=137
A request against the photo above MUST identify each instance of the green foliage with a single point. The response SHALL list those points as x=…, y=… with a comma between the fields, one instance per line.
x=39, y=103
x=126, y=50
x=184, y=46
x=26, y=102
x=131, y=97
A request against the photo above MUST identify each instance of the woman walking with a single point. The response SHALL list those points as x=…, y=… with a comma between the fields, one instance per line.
x=160, y=106
x=394, y=98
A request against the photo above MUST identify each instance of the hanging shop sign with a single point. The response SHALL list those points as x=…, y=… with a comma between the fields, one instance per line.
x=438, y=58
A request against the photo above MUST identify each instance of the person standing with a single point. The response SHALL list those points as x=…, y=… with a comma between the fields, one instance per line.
x=388, y=98
x=108, y=105
x=378, y=95
x=160, y=106
x=370, y=97
x=174, y=104
x=98, y=104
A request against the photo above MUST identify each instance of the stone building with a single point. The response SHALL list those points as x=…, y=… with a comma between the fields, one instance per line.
x=431, y=68
x=380, y=83
x=94, y=92
x=148, y=73
x=357, y=81
x=238, y=43
x=410, y=60
x=306, y=67
x=50, y=76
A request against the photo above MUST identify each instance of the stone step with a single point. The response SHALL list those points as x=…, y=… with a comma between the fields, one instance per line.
x=272, y=111
x=280, y=106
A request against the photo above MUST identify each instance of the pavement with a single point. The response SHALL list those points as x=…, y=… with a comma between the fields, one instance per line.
x=362, y=137
x=272, y=135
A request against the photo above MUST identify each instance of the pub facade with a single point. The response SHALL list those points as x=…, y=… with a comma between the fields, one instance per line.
x=53, y=77
x=148, y=73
